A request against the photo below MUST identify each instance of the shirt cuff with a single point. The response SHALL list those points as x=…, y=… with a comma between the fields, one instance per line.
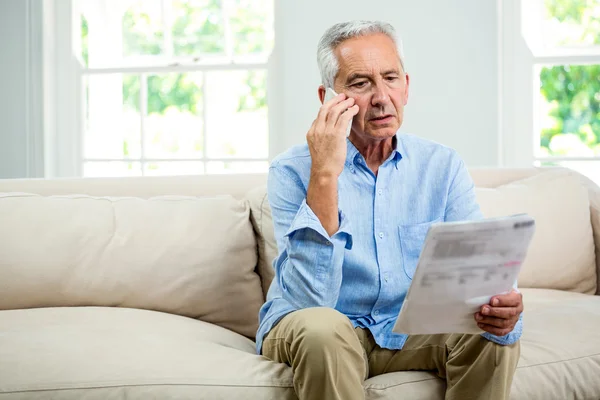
x=508, y=339
x=307, y=219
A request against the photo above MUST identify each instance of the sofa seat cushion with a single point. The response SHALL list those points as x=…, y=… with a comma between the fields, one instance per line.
x=560, y=347
x=122, y=353
x=118, y=353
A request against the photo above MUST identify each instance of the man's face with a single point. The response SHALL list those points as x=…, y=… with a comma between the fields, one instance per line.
x=370, y=72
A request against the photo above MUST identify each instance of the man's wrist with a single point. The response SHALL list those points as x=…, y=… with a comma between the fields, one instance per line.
x=322, y=199
x=323, y=178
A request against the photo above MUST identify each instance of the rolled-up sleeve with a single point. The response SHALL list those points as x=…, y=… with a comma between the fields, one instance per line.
x=309, y=266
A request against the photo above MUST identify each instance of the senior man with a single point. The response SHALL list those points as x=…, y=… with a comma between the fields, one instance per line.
x=350, y=218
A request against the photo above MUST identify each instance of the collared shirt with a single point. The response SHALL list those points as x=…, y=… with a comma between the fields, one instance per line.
x=363, y=270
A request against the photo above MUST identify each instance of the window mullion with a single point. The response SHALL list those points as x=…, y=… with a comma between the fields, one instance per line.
x=163, y=160
x=167, y=21
x=567, y=158
x=227, y=11
x=593, y=57
x=143, y=113
x=204, y=124
x=179, y=68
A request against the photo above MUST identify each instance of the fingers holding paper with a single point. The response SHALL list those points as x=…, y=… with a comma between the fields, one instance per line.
x=501, y=315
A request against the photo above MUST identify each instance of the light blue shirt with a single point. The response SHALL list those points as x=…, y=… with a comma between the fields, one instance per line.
x=364, y=270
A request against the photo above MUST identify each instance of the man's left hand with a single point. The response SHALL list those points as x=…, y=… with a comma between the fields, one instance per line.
x=501, y=315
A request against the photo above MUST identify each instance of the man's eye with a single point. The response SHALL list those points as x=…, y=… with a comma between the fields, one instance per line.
x=391, y=78
x=359, y=84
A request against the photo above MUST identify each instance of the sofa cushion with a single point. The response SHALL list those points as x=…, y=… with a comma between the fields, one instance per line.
x=262, y=221
x=183, y=255
x=120, y=353
x=594, y=193
x=562, y=254
x=560, y=350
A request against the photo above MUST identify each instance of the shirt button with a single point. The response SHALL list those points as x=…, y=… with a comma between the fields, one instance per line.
x=376, y=312
x=385, y=278
x=381, y=235
x=380, y=192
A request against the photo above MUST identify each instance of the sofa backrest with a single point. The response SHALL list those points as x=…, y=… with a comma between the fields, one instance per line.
x=143, y=187
x=248, y=188
x=574, y=245
x=495, y=177
x=175, y=246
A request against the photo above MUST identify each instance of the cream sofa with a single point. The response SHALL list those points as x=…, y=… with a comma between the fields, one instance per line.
x=153, y=292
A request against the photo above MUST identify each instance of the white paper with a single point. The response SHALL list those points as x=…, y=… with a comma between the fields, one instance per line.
x=462, y=266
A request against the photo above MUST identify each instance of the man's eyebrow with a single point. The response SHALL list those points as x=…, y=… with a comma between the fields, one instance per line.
x=356, y=75
x=390, y=71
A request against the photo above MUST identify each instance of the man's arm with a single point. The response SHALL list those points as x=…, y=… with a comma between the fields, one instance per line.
x=309, y=266
x=311, y=232
x=503, y=324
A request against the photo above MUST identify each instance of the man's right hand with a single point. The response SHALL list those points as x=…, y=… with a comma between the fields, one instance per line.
x=327, y=136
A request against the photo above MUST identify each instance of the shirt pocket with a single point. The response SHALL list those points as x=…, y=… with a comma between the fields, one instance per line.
x=412, y=238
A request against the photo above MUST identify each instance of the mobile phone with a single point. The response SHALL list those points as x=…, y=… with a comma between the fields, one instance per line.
x=330, y=94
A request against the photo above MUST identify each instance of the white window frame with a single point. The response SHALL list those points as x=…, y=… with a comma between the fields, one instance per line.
x=63, y=93
x=519, y=53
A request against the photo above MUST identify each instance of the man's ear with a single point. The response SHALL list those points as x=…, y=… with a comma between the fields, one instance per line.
x=321, y=93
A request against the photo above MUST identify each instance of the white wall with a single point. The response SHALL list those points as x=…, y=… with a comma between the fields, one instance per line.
x=451, y=56
x=12, y=87
x=21, y=146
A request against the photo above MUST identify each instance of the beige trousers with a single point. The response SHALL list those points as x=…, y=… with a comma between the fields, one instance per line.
x=330, y=358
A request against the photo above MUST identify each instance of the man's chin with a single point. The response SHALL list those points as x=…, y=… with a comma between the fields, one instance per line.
x=383, y=132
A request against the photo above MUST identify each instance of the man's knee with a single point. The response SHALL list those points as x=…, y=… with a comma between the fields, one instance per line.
x=476, y=346
x=322, y=327
x=326, y=336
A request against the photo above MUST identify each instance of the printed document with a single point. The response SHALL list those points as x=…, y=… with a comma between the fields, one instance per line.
x=461, y=267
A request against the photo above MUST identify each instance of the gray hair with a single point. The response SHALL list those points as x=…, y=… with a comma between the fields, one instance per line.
x=326, y=59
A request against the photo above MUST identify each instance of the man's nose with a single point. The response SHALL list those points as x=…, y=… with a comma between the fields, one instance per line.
x=380, y=95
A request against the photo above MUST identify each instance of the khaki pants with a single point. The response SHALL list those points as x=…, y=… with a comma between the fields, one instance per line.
x=330, y=359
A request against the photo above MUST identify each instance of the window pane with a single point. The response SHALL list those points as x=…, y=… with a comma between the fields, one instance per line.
x=571, y=22
x=236, y=109
x=591, y=169
x=111, y=169
x=198, y=27
x=143, y=29
x=114, y=31
x=173, y=125
x=174, y=168
x=252, y=26
x=569, y=106
x=144, y=32
x=112, y=118
x=249, y=167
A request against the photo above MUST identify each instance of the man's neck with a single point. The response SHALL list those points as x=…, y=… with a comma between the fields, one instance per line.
x=375, y=152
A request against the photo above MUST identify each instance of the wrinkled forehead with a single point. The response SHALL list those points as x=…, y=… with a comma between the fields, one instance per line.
x=367, y=55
